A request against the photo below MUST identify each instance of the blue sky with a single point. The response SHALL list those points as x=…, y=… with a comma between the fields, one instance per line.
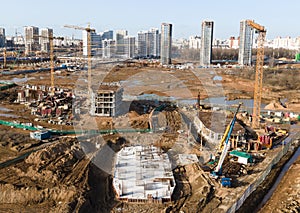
x=281, y=18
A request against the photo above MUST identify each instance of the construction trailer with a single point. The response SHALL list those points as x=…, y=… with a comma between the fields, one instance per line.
x=40, y=135
x=243, y=157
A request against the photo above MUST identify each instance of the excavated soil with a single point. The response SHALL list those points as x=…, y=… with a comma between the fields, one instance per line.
x=62, y=178
x=286, y=197
x=257, y=196
x=58, y=178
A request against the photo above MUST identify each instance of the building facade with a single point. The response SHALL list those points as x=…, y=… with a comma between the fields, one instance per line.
x=166, y=43
x=107, y=34
x=120, y=48
x=2, y=37
x=46, y=34
x=246, y=40
x=142, y=47
x=18, y=40
x=108, y=48
x=195, y=42
x=286, y=43
x=154, y=42
x=107, y=101
x=206, y=43
x=149, y=43
x=233, y=42
x=95, y=43
x=129, y=46
x=31, y=39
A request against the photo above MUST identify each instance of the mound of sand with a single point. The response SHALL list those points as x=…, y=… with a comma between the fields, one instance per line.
x=274, y=105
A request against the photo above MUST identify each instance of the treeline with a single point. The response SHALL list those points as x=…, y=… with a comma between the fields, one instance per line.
x=283, y=78
x=230, y=54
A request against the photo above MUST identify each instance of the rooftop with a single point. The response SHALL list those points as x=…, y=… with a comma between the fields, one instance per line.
x=240, y=154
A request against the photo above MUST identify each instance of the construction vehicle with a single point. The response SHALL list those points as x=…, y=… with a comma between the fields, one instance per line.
x=222, y=142
x=226, y=182
x=259, y=72
x=217, y=172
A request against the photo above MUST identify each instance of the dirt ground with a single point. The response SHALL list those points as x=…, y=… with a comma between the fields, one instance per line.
x=58, y=178
x=286, y=197
x=252, y=202
x=235, y=83
x=61, y=177
x=238, y=85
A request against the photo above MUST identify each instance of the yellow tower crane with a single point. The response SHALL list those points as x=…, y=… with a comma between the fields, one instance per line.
x=88, y=29
x=4, y=58
x=259, y=72
x=50, y=37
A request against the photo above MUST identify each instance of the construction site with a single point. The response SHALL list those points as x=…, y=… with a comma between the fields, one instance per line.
x=138, y=136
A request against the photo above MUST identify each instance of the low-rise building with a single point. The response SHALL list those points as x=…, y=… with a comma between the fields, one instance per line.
x=107, y=101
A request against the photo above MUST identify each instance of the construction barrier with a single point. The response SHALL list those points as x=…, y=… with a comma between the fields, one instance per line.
x=73, y=132
x=17, y=72
x=241, y=199
x=17, y=125
x=6, y=85
x=97, y=131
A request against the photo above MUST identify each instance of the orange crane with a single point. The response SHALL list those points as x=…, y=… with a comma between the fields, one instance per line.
x=259, y=72
x=50, y=37
x=88, y=29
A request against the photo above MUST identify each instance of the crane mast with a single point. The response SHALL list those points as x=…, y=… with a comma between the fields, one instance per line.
x=88, y=29
x=50, y=37
x=52, y=64
x=258, y=74
x=4, y=58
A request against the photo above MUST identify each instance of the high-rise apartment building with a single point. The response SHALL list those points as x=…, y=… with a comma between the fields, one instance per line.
x=120, y=34
x=31, y=39
x=142, y=44
x=107, y=34
x=166, y=43
x=149, y=43
x=154, y=49
x=108, y=48
x=2, y=37
x=95, y=43
x=129, y=46
x=46, y=34
x=206, y=43
x=246, y=40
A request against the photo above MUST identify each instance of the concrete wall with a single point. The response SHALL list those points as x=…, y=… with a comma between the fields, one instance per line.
x=209, y=135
